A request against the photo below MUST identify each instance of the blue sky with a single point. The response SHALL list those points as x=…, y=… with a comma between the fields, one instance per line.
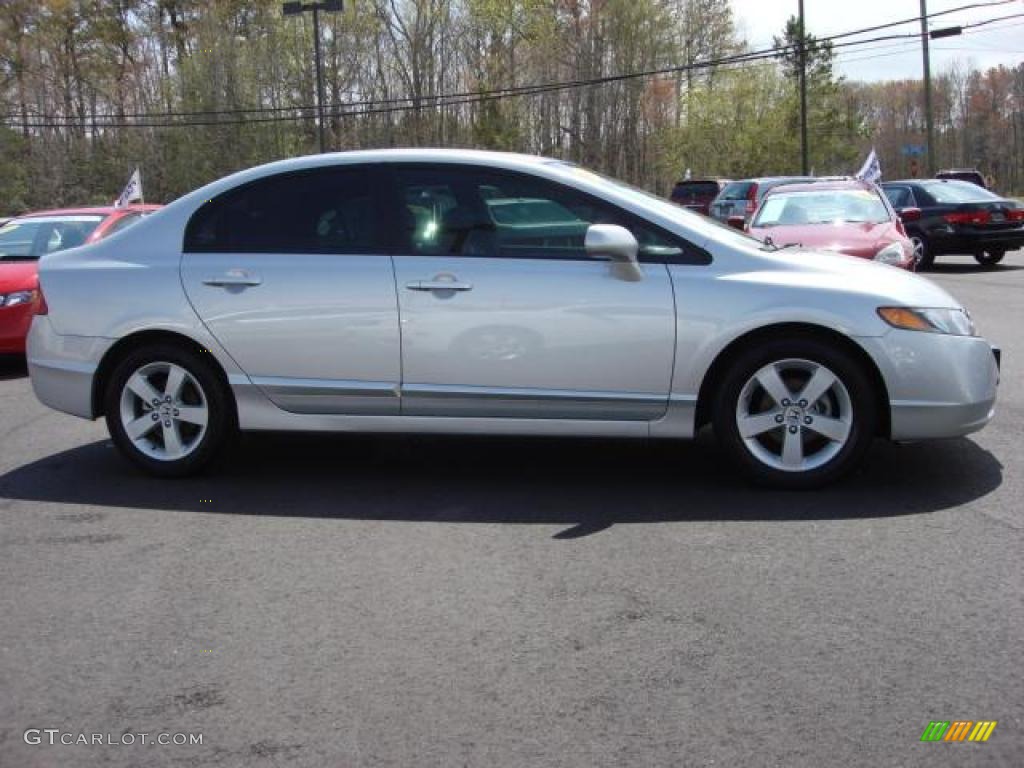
x=998, y=43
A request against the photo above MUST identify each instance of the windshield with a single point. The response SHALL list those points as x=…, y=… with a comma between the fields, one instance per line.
x=958, y=192
x=31, y=237
x=854, y=206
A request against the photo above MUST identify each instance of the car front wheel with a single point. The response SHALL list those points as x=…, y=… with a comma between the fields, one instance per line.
x=166, y=410
x=795, y=414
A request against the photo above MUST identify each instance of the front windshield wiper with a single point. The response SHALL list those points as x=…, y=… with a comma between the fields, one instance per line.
x=770, y=245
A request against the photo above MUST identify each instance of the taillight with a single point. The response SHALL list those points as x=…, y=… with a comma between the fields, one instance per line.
x=1016, y=214
x=41, y=308
x=968, y=217
x=752, y=199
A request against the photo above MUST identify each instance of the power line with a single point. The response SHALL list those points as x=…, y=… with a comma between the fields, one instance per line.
x=403, y=104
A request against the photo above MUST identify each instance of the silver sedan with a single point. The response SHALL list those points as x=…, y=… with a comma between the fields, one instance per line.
x=490, y=293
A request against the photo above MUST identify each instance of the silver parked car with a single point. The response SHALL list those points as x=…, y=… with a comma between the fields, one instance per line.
x=489, y=293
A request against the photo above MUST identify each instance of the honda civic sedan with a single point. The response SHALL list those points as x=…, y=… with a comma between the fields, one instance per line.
x=487, y=293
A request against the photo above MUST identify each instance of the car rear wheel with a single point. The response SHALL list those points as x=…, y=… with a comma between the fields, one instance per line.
x=795, y=414
x=167, y=410
x=923, y=256
x=989, y=258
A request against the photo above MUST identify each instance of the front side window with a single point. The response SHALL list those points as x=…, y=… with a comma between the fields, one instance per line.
x=478, y=212
x=827, y=207
x=31, y=237
x=324, y=210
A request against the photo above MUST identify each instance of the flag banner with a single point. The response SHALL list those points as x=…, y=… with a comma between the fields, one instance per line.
x=872, y=169
x=132, y=192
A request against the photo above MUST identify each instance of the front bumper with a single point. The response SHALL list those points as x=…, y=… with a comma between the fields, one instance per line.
x=62, y=367
x=939, y=385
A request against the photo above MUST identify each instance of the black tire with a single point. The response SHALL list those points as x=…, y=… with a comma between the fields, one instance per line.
x=861, y=402
x=927, y=258
x=989, y=258
x=219, y=424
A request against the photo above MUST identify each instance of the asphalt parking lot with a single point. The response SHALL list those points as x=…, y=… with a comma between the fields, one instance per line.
x=370, y=601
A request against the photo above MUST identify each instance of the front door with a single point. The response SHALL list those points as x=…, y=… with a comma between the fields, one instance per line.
x=504, y=315
x=289, y=273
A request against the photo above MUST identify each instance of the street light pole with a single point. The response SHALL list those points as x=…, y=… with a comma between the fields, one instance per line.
x=928, y=120
x=293, y=9
x=804, y=150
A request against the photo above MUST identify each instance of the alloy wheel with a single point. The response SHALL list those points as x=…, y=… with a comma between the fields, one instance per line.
x=794, y=415
x=164, y=411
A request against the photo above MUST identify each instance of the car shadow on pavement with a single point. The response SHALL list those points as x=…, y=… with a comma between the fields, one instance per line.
x=12, y=367
x=589, y=485
x=954, y=268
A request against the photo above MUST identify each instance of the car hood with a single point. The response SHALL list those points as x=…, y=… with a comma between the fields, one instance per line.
x=18, y=275
x=852, y=239
x=829, y=272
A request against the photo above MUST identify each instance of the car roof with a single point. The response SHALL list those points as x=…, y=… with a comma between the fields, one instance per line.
x=822, y=186
x=96, y=210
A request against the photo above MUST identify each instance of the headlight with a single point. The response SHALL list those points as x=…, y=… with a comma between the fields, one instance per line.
x=16, y=298
x=891, y=254
x=955, y=322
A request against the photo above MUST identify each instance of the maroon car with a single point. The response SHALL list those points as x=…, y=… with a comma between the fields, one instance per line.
x=851, y=217
x=697, y=194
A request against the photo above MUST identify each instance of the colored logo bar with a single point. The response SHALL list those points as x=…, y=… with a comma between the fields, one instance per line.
x=959, y=730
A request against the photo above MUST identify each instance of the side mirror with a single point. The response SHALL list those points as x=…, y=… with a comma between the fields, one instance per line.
x=737, y=222
x=910, y=214
x=617, y=244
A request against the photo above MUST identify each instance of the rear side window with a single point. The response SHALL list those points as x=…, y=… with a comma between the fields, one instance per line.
x=737, y=190
x=324, y=210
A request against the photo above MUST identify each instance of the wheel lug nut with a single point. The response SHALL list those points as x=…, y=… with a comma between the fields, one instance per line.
x=786, y=403
x=167, y=423
x=779, y=419
x=792, y=430
x=808, y=420
x=803, y=403
x=167, y=399
x=156, y=417
x=155, y=402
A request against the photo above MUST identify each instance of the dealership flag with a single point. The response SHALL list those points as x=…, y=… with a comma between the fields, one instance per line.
x=872, y=170
x=132, y=192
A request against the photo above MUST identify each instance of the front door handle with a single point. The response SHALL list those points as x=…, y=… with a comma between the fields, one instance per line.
x=438, y=285
x=233, y=277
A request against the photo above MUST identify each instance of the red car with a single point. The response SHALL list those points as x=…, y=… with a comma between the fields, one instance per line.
x=850, y=216
x=25, y=238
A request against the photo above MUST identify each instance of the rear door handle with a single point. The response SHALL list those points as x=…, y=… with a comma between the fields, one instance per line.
x=233, y=277
x=438, y=285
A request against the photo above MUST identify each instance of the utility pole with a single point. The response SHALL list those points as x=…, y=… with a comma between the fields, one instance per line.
x=804, y=151
x=294, y=9
x=928, y=120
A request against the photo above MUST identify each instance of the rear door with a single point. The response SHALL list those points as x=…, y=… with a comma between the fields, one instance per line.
x=504, y=315
x=291, y=274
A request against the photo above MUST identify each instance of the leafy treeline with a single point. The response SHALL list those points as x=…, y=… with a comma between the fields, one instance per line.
x=191, y=90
